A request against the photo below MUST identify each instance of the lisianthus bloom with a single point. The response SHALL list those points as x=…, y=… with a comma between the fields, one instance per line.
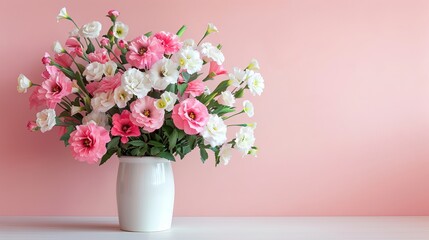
x=145, y=114
x=189, y=59
x=136, y=82
x=227, y=98
x=23, y=83
x=100, y=118
x=216, y=69
x=100, y=55
x=46, y=119
x=253, y=65
x=55, y=88
x=255, y=82
x=225, y=154
x=104, y=41
x=170, y=42
x=108, y=84
x=211, y=53
x=94, y=71
x=163, y=73
x=74, y=45
x=120, y=30
x=50, y=70
x=64, y=59
x=190, y=115
x=214, y=132
x=102, y=102
x=195, y=88
x=123, y=127
x=90, y=30
x=144, y=52
x=248, y=108
x=88, y=142
x=244, y=140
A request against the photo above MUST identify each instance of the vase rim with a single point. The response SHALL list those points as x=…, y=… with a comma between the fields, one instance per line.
x=143, y=159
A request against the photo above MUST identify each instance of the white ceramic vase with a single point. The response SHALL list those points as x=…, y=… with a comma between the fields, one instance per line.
x=145, y=194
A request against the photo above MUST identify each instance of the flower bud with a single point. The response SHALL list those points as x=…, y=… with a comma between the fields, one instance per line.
x=32, y=126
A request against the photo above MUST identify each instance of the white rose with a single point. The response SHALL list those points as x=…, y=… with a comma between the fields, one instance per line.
x=102, y=102
x=94, y=71
x=57, y=47
x=189, y=59
x=244, y=140
x=248, y=108
x=120, y=30
x=256, y=84
x=99, y=118
x=253, y=65
x=136, y=82
x=163, y=73
x=109, y=68
x=121, y=97
x=46, y=120
x=211, y=52
x=214, y=133
x=91, y=30
x=167, y=101
x=225, y=154
x=237, y=77
x=62, y=14
x=227, y=98
x=23, y=83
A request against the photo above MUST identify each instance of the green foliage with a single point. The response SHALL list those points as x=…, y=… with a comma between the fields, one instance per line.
x=181, y=31
x=181, y=88
x=91, y=48
x=66, y=136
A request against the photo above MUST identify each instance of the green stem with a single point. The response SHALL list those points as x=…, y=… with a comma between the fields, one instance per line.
x=225, y=118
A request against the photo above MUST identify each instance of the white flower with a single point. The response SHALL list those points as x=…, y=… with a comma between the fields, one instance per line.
x=237, y=77
x=253, y=65
x=189, y=59
x=252, y=125
x=189, y=43
x=225, y=154
x=94, y=71
x=207, y=90
x=120, y=30
x=99, y=118
x=167, y=101
x=136, y=82
x=63, y=14
x=248, y=108
x=91, y=30
x=211, y=52
x=214, y=133
x=163, y=73
x=75, y=86
x=74, y=32
x=76, y=109
x=102, y=102
x=227, y=98
x=244, y=139
x=109, y=68
x=256, y=84
x=121, y=97
x=57, y=47
x=211, y=28
x=46, y=120
x=23, y=83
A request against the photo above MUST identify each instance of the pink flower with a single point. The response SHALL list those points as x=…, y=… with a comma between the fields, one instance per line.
x=74, y=46
x=50, y=70
x=170, y=42
x=122, y=43
x=113, y=13
x=64, y=59
x=190, y=116
x=195, y=88
x=144, y=52
x=145, y=114
x=104, y=41
x=88, y=142
x=46, y=59
x=122, y=126
x=32, y=126
x=100, y=55
x=54, y=89
x=108, y=84
x=216, y=69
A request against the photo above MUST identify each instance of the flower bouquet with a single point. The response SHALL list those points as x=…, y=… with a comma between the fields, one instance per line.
x=143, y=97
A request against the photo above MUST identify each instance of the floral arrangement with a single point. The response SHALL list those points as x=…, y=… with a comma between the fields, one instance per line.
x=144, y=97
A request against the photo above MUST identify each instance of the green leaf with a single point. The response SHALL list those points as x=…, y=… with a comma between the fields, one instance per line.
x=148, y=34
x=203, y=153
x=186, y=76
x=181, y=31
x=181, y=88
x=239, y=93
x=194, y=76
x=173, y=139
x=154, y=151
x=107, y=156
x=222, y=109
x=66, y=136
x=155, y=144
x=91, y=48
x=113, y=143
x=166, y=155
x=137, y=143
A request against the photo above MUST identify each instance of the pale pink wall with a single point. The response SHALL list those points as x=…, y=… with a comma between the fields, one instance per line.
x=343, y=125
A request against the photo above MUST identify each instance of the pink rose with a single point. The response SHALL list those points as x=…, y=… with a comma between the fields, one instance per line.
x=88, y=142
x=54, y=89
x=195, y=88
x=216, y=69
x=122, y=126
x=145, y=114
x=74, y=46
x=169, y=41
x=32, y=126
x=190, y=116
x=100, y=55
x=144, y=52
x=64, y=59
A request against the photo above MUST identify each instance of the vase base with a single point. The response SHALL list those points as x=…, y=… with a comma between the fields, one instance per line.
x=144, y=230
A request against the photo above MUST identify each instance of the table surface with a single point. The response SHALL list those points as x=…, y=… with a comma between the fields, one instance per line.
x=221, y=228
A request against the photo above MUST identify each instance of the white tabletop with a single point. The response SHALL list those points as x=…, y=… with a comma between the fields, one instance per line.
x=230, y=228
